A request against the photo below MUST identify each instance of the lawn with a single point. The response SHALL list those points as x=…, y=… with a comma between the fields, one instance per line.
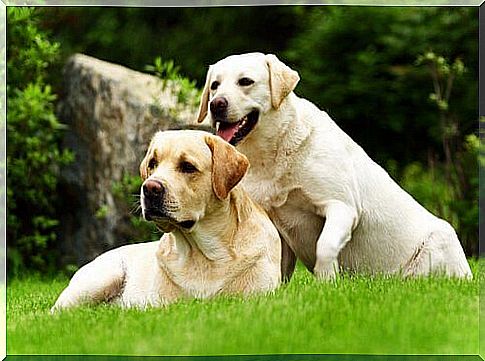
x=356, y=314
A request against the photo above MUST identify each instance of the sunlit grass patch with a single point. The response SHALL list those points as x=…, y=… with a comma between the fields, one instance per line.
x=356, y=314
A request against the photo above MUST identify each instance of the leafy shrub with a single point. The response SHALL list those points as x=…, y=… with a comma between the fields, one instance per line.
x=455, y=178
x=183, y=88
x=33, y=152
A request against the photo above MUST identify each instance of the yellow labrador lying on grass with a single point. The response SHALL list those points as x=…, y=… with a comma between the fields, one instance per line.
x=217, y=240
x=331, y=203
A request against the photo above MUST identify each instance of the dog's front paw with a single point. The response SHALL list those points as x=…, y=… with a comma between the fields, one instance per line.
x=326, y=270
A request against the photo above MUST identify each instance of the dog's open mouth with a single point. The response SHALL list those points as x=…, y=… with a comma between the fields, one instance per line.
x=233, y=133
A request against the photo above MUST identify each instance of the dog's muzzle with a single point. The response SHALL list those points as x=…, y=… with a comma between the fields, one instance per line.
x=218, y=107
x=154, y=208
x=153, y=194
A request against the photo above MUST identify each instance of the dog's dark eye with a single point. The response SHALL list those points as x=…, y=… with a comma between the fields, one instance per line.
x=245, y=81
x=214, y=85
x=186, y=167
x=152, y=164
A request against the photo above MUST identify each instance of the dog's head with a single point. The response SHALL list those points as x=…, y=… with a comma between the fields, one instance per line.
x=239, y=88
x=186, y=175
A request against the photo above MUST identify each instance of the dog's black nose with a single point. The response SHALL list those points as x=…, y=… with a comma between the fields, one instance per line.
x=153, y=191
x=218, y=107
x=153, y=188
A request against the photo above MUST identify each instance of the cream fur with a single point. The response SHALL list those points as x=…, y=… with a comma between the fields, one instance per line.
x=232, y=248
x=333, y=205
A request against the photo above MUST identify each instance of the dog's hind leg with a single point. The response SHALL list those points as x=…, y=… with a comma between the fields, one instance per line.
x=439, y=253
x=99, y=280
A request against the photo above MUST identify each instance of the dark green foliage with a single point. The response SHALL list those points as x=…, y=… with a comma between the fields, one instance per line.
x=192, y=37
x=458, y=205
x=185, y=89
x=33, y=154
x=457, y=173
x=358, y=64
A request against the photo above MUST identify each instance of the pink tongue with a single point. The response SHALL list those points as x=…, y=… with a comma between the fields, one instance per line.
x=227, y=130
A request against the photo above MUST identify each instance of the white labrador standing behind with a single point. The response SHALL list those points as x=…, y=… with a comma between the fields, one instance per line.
x=217, y=240
x=333, y=206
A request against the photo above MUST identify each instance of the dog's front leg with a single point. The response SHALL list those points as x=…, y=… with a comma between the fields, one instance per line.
x=99, y=280
x=340, y=220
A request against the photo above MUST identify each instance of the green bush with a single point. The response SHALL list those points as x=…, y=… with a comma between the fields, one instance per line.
x=183, y=88
x=33, y=152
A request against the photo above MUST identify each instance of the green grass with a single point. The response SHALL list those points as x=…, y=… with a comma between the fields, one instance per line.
x=357, y=314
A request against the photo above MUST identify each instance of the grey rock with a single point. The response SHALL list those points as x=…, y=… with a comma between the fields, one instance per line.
x=111, y=113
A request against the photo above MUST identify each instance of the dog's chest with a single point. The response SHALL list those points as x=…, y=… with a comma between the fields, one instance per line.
x=293, y=214
x=191, y=272
x=266, y=190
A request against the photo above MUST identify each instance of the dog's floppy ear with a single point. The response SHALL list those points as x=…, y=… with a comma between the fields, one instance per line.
x=144, y=162
x=204, y=100
x=144, y=167
x=282, y=80
x=228, y=166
